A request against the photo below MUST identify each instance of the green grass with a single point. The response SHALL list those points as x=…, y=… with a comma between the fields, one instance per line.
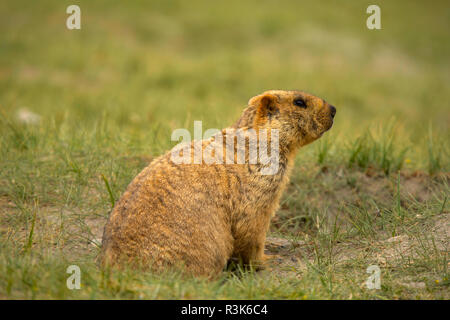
x=110, y=94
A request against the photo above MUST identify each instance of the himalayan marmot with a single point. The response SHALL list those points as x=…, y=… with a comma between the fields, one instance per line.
x=209, y=201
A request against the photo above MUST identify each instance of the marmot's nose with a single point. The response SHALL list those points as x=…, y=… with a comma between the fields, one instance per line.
x=332, y=111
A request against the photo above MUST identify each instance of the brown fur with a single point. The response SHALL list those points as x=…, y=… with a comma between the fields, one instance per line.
x=201, y=216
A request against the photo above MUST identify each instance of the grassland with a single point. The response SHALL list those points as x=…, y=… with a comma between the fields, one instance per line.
x=373, y=190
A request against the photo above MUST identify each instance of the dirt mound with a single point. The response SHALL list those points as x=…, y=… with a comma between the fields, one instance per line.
x=331, y=194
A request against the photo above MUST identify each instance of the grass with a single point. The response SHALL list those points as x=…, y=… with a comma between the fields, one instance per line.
x=382, y=152
x=373, y=191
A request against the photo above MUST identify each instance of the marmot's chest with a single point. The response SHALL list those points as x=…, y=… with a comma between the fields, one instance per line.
x=262, y=191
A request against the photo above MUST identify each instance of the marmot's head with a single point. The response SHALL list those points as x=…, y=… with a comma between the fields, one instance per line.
x=300, y=117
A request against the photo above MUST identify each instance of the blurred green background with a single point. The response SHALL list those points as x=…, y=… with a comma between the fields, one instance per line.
x=83, y=111
x=148, y=64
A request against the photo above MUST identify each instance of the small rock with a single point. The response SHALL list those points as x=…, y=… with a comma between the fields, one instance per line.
x=398, y=238
x=414, y=285
x=26, y=116
x=278, y=242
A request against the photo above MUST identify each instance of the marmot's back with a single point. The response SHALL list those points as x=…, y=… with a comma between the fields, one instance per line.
x=164, y=218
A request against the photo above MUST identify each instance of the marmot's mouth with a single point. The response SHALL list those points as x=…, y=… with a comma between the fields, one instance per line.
x=330, y=125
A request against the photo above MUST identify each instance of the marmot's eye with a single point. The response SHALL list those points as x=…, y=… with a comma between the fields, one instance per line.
x=300, y=103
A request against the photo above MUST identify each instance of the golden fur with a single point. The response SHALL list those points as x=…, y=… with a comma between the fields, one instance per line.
x=200, y=216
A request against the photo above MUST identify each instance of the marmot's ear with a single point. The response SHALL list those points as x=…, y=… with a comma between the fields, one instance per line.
x=265, y=105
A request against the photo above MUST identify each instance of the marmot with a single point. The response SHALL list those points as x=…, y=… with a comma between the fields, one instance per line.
x=201, y=215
